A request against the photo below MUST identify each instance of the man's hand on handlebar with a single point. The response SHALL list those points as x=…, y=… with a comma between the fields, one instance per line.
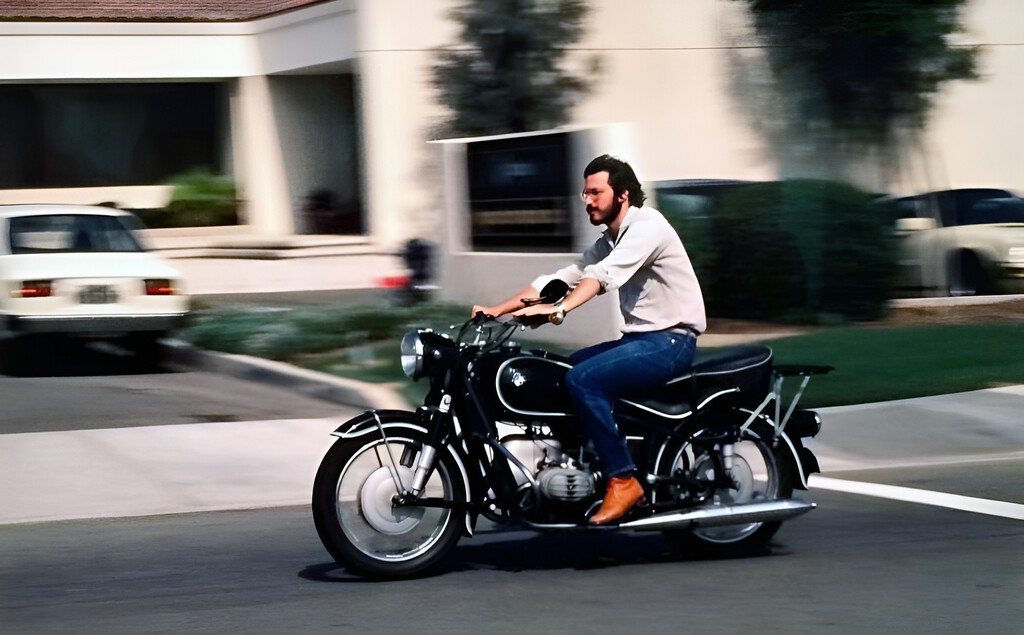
x=538, y=314
x=506, y=307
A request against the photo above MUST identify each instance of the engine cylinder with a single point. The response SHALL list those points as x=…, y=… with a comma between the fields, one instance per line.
x=566, y=484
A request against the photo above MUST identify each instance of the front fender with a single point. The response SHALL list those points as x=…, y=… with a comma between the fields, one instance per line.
x=371, y=421
x=383, y=423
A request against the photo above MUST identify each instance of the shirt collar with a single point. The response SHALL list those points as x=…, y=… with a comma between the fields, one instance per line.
x=631, y=215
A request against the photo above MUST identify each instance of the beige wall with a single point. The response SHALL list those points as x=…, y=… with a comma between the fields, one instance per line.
x=665, y=71
x=976, y=138
x=672, y=69
x=403, y=191
x=700, y=103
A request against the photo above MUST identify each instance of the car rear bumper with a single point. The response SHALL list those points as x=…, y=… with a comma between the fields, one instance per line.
x=98, y=325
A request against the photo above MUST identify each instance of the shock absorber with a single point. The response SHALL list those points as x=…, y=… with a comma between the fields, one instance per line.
x=429, y=451
x=727, y=453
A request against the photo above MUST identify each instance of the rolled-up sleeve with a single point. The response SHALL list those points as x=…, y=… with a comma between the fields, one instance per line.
x=633, y=249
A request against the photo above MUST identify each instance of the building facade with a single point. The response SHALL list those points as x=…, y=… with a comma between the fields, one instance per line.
x=299, y=99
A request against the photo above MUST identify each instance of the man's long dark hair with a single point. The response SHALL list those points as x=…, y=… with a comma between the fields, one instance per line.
x=620, y=176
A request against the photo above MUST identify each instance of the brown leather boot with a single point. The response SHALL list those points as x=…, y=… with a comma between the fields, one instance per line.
x=622, y=494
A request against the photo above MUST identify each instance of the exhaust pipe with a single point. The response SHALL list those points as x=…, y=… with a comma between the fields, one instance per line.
x=742, y=514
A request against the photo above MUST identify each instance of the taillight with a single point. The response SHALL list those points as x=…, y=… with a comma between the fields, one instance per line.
x=160, y=287
x=34, y=289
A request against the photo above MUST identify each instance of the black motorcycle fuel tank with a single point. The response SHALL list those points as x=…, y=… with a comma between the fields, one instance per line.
x=533, y=385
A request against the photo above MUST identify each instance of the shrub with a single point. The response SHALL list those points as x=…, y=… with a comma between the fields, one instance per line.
x=199, y=198
x=799, y=251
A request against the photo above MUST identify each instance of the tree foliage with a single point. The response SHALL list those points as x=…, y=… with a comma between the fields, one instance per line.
x=865, y=67
x=507, y=75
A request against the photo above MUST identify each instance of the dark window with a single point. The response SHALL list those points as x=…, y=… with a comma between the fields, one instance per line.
x=89, y=135
x=521, y=193
x=1001, y=210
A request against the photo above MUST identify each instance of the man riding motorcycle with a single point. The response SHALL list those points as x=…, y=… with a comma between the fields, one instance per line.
x=641, y=256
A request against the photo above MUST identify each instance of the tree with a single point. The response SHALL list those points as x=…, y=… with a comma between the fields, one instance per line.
x=508, y=74
x=864, y=68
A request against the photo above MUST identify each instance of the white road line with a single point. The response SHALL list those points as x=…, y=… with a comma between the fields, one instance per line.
x=924, y=497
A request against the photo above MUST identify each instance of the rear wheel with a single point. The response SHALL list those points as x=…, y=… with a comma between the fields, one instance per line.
x=356, y=516
x=967, y=276
x=755, y=476
x=147, y=347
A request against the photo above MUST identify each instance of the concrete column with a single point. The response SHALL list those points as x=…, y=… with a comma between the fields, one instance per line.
x=259, y=160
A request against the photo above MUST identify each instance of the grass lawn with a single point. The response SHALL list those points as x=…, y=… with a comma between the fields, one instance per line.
x=872, y=363
x=881, y=364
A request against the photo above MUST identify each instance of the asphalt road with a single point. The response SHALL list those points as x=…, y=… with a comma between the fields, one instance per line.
x=855, y=565
x=100, y=386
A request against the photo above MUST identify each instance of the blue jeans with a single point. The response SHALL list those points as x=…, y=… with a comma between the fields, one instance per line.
x=623, y=368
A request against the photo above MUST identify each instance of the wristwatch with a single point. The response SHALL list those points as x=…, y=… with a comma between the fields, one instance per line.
x=558, y=316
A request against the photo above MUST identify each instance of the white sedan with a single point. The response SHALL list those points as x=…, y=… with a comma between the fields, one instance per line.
x=81, y=270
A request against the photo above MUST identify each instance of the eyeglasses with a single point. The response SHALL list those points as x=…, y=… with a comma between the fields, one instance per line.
x=585, y=194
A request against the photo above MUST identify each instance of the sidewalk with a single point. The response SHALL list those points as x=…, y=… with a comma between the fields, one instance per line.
x=216, y=265
x=111, y=473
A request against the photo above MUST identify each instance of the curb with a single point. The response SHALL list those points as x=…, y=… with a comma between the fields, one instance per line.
x=337, y=390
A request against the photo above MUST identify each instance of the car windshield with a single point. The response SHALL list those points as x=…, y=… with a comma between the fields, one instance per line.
x=53, y=233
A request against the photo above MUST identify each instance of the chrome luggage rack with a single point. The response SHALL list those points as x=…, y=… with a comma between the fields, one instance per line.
x=779, y=374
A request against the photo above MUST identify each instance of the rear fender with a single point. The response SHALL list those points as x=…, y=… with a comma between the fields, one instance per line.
x=792, y=448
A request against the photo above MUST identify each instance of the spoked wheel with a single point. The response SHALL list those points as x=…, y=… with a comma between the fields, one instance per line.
x=355, y=510
x=755, y=476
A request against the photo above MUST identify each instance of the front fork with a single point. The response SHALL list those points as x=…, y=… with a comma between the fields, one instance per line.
x=428, y=453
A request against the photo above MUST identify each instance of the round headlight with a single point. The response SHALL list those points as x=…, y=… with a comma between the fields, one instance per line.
x=412, y=355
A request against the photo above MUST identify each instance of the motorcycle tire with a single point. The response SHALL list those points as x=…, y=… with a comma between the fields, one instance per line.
x=760, y=473
x=355, y=517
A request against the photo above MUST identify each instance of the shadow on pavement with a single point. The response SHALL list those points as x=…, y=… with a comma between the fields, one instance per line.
x=514, y=552
x=60, y=356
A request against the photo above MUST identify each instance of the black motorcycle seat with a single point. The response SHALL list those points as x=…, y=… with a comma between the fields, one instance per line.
x=744, y=372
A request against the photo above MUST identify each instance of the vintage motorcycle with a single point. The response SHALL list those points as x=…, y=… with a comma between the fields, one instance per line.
x=718, y=454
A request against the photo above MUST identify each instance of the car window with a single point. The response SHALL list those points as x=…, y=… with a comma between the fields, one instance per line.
x=54, y=233
x=1005, y=210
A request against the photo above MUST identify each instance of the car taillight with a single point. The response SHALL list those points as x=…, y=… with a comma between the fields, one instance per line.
x=34, y=289
x=160, y=287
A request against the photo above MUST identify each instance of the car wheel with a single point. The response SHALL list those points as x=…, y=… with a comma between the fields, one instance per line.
x=967, y=276
x=148, y=349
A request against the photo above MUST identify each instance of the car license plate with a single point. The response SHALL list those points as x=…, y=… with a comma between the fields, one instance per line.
x=97, y=294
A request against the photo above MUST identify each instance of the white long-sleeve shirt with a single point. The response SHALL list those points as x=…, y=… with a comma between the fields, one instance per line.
x=657, y=286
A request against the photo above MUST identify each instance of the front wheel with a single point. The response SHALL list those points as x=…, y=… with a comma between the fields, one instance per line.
x=356, y=516
x=756, y=476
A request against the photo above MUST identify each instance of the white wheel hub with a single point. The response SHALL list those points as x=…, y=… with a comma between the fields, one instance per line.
x=376, y=499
